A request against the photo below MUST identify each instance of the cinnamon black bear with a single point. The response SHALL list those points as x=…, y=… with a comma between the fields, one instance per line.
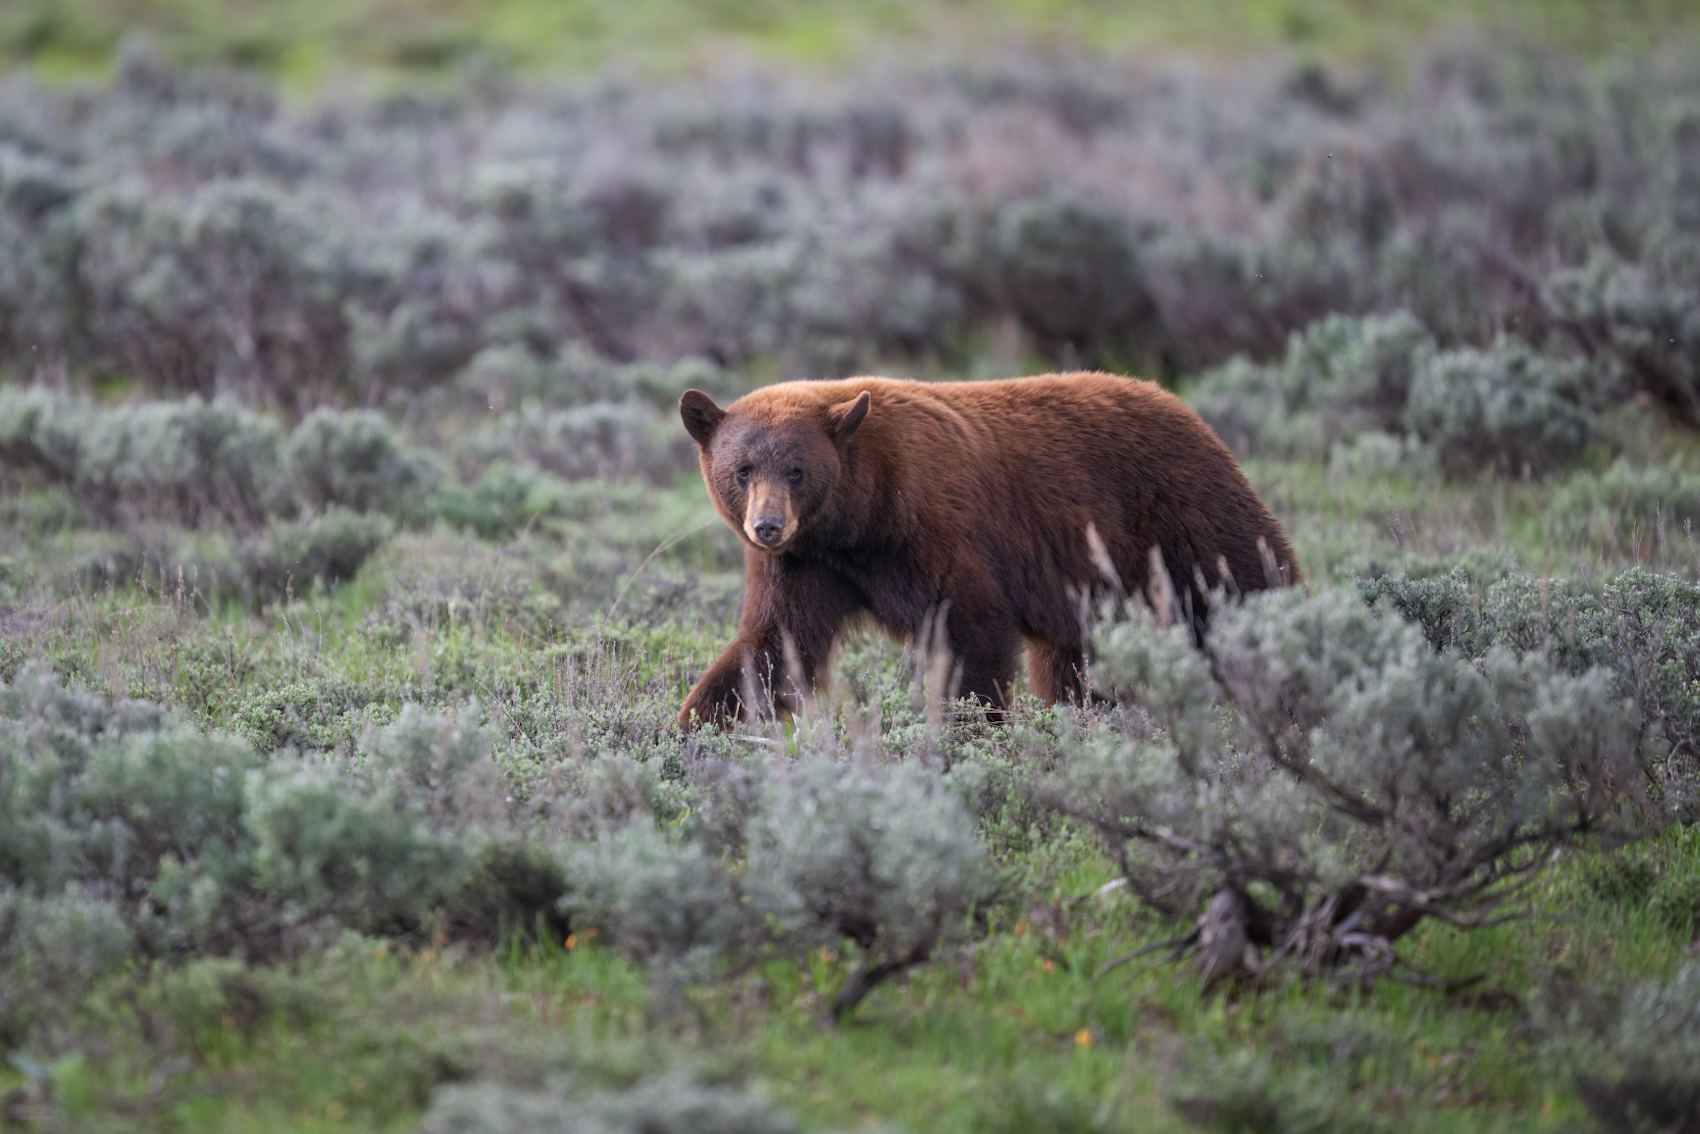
x=890, y=499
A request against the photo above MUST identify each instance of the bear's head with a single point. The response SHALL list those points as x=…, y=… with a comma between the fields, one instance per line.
x=771, y=459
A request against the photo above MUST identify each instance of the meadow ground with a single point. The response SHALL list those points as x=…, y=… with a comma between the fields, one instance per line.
x=1010, y=1029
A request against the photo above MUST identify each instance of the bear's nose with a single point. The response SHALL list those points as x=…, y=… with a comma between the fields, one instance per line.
x=768, y=529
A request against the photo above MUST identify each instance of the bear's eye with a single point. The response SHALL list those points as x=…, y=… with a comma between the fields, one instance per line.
x=743, y=474
x=796, y=474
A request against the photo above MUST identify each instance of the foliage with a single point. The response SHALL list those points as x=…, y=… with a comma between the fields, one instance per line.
x=326, y=548
x=1346, y=382
x=1630, y=506
x=231, y=288
x=1641, y=628
x=1505, y=408
x=185, y=461
x=884, y=858
x=190, y=232
x=1316, y=781
x=194, y=841
x=356, y=461
x=1638, y=324
x=1635, y=1061
x=1342, y=377
x=313, y=504
x=1071, y=274
x=662, y=1107
x=664, y=902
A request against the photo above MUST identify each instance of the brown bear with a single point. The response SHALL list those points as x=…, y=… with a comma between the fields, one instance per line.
x=995, y=503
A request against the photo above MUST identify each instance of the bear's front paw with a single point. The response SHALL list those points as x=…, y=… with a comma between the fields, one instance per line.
x=701, y=710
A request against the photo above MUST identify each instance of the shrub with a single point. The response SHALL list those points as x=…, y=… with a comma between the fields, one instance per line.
x=429, y=762
x=439, y=579
x=1447, y=608
x=193, y=232
x=1376, y=453
x=512, y=888
x=658, y=1107
x=824, y=303
x=505, y=500
x=197, y=463
x=663, y=901
x=233, y=287
x=1506, y=408
x=1213, y=299
x=1640, y=1074
x=1345, y=376
x=188, y=462
x=1316, y=781
x=327, y=548
x=194, y=841
x=38, y=247
x=417, y=322
x=1643, y=333
x=323, y=853
x=71, y=764
x=1069, y=272
x=1356, y=372
x=1247, y=407
x=884, y=858
x=355, y=460
x=52, y=950
x=606, y=439
x=1642, y=627
x=324, y=716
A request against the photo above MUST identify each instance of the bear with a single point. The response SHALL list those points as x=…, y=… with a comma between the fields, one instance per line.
x=992, y=505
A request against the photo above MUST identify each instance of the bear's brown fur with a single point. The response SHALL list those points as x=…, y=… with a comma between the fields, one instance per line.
x=895, y=500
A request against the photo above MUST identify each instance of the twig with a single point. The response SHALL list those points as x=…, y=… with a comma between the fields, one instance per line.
x=659, y=548
x=1134, y=954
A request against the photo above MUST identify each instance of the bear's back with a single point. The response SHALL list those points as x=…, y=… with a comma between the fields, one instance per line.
x=1021, y=466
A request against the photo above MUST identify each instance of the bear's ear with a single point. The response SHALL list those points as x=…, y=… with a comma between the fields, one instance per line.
x=842, y=419
x=702, y=417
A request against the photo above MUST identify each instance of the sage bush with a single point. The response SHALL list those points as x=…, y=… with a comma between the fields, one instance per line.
x=1505, y=408
x=193, y=231
x=1348, y=381
x=195, y=841
x=1641, y=627
x=837, y=855
x=1634, y=1059
x=1316, y=781
x=885, y=859
x=661, y=1106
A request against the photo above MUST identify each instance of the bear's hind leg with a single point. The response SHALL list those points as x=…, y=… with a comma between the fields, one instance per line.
x=1056, y=671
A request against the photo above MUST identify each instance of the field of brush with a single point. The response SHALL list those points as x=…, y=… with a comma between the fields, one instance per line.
x=354, y=564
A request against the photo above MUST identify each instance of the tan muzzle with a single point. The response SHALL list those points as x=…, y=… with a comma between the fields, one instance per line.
x=769, y=519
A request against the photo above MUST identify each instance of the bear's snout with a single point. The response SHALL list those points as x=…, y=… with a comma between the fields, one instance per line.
x=769, y=518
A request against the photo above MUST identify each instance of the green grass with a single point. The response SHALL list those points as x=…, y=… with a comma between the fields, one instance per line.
x=1014, y=1032
x=306, y=41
